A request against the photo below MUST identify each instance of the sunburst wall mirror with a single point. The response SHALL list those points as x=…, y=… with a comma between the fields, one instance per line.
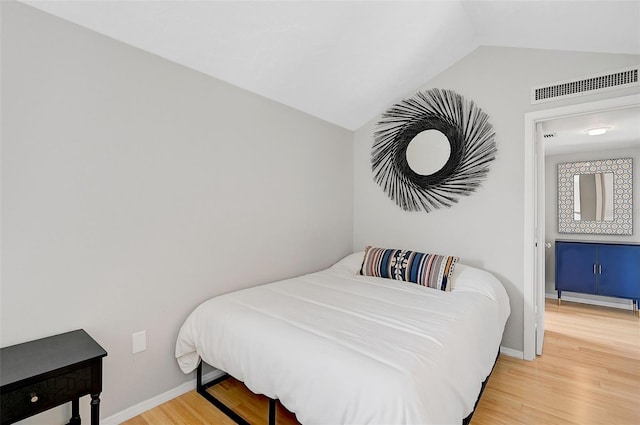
x=432, y=148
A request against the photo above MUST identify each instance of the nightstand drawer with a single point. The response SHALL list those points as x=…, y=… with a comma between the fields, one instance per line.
x=27, y=400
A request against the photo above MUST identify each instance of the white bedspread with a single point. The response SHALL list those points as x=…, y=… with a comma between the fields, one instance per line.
x=338, y=348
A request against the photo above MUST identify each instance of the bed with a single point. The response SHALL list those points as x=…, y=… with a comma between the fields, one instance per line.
x=336, y=347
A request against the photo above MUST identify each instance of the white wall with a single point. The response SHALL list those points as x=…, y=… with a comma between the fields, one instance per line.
x=551, y=212
x=485, y=229
x=133, y=189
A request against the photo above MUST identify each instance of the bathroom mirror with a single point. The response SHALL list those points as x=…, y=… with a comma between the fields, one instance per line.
x=596, y=197
x=593, y=197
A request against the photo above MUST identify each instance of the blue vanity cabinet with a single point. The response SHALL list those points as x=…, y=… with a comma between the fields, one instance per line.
x=608, y=269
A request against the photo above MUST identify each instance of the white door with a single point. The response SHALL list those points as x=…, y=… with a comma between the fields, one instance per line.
x=539, y=237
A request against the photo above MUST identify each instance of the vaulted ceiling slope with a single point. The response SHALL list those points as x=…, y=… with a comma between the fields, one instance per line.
x=346, y=61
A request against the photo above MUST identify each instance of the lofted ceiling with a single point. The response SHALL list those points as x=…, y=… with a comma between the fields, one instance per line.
x=345, y=61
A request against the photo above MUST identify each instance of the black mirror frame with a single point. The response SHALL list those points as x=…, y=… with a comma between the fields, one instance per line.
x=470, y=136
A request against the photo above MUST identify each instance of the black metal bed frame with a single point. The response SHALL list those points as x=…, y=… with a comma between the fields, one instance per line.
x=201, y=388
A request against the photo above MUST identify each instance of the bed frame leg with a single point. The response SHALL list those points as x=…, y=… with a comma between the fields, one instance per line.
x=272, y=412
x=199, y=377
x=202, y=390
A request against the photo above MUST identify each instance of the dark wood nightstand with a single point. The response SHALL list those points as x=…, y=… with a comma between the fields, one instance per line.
x=38, y=375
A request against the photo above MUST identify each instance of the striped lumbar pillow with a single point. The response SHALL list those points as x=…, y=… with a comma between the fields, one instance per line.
x=429, y=270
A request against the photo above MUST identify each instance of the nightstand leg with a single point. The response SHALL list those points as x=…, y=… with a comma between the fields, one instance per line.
x=75, y=412
x=95, y=409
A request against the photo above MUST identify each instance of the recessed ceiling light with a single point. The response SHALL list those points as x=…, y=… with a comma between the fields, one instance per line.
x=597, y=131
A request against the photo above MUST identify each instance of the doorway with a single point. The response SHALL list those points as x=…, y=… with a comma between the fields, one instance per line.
x=534, y=236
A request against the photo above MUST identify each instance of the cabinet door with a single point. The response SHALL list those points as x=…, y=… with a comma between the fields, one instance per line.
x=620, y=272
x=574, y=267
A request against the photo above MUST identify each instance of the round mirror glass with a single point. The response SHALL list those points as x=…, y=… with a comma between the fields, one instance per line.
x=428, y=152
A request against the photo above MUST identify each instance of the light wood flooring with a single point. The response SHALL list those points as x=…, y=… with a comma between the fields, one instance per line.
x=589, y=374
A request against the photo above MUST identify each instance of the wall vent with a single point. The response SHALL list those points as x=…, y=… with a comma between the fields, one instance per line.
x=626, y=77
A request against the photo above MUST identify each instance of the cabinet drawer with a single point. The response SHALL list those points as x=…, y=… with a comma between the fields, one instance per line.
x=27, y=400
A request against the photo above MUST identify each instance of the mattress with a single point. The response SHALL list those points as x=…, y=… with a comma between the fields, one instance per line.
x=339, y=348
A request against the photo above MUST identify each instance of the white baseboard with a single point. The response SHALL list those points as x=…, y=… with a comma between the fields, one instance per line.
x=511, y=352
x=149, y=404
x=602, y=303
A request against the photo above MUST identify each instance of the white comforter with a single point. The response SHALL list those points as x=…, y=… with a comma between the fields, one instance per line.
x=338, y=348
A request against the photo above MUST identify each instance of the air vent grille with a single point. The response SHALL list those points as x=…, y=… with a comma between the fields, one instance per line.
x=627, y=77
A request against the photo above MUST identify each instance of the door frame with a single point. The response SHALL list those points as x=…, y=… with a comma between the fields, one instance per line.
x=531, y=257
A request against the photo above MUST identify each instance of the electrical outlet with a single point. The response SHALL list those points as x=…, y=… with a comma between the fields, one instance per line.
x=139, y=342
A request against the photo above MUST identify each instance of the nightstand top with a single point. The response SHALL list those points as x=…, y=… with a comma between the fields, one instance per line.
x=33, y=358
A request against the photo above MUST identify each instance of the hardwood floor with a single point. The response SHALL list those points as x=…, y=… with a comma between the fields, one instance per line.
x=589, y=374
